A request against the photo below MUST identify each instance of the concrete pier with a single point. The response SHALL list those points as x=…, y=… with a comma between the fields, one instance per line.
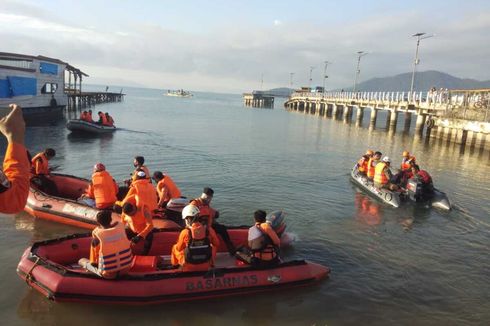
x=258, y=99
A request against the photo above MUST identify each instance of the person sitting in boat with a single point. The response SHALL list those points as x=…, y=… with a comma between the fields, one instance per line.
x=139, y=164
x=110, y=250
x=166, y=188
x=423, y=177
x=383, y=175
x=144, y=190
x=40, y=171
x=138, y=222
x=362, y=164
x=263, y=242
x=102, y=119
x=89, y=117
x=210, y=215
x=110, y=120
x=14, y=179
x=372, y=164
x=196, y=247
x=407, y=161
x=83, y=116
x=102, y=190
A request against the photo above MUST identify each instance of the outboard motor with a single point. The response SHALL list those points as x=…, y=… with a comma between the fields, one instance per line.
x=174, y=209
x=276, y=219
x=415, y=190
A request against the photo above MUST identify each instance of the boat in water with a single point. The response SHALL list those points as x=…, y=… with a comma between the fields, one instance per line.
x=77, y=125
x=179, y=93
x=51, y=268
x=438, y=199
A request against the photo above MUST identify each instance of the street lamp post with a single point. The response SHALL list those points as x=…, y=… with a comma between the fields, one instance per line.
x=325, y=76
x=311, y=77
x=420, y=36
x=360, y=54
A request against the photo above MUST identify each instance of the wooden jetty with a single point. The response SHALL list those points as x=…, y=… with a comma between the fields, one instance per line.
x=258, y=99
x=460, y=116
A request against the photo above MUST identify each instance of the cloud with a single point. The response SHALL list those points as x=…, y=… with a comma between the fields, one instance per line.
x=232, y=58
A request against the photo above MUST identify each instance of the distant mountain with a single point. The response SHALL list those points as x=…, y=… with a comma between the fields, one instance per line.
x=280, y=92
x=424, y=80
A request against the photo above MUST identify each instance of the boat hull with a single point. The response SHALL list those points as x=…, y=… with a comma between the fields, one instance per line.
x=389, y=197
x=58, y=279
x=88, y=127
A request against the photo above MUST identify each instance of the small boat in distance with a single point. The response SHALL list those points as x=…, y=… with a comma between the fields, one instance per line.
x=178, y=93
x=77, y=125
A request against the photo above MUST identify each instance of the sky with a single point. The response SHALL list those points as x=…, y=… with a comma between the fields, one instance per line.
x=227, y=46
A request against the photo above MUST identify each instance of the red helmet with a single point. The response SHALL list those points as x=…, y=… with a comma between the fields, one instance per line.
x=99, y=167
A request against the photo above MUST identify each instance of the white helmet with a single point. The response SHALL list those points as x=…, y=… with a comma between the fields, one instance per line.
x=386, y=159
x=190, y=211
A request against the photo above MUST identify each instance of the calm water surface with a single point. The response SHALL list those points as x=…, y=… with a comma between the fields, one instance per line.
x=389, y=266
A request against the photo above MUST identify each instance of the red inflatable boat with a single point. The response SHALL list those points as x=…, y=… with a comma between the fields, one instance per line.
x=51, y=268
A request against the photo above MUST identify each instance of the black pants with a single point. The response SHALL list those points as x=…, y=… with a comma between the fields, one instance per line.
x=148, y=240
x=223, y=233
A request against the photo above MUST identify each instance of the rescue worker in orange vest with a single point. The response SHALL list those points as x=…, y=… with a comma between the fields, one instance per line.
x=372, y=164
x=407, y=161
x=382, y=175
x=210, y=214
x=139, y=164
x=89, y=116
x=40, y=171
x=102, y=119
x=197, y=245
x=166, y=188
x=263, y=242
x=145, y=191
x=83, y=116
x=110, y=250
x=110, y=120
x=14, y=179
x=103, y=189
x=138, y=221
x=362, y=164
x=40, y=164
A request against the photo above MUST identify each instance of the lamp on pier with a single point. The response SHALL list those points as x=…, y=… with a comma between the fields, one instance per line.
x=311, y=76
x=416, y=61
x=360, y=54
x=325, y=76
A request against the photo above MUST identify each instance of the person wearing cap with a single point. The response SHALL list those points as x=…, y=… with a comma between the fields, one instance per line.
x=362, y=164
x=383, y=175
x=144, y=190
x=14, y=179
x=102, y=190
x=407, y=161
x=197, y=245
x=166, y=188
x=210, y=214
x=139, y=164
x=372, y=164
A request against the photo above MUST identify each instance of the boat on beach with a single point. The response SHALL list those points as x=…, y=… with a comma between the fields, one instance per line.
x=439, y=199
x=178, y=93
x=51, y=268
x=77, y=125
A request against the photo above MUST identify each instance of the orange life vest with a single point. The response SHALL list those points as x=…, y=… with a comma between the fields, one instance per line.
x=137, y=223
x=262, y=247
x=406, y=163
x=380, y=175
x=172, y=190
x=83, y=116
x=115, y=249
x=205, y=211
x=362, y=165
x=370, y=168
x=89, y=117
x=147, y=194
x=104, y=189
x=110, y=121
x=43, y=167
x=198, y=249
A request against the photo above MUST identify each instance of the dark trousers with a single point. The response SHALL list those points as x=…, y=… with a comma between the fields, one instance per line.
x=223, y=233
x=148, y=240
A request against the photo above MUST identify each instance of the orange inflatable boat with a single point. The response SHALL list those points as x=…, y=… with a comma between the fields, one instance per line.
x=51, y=268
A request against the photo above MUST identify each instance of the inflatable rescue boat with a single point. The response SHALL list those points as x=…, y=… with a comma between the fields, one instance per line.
x=438, y=199
x=51, y=268
x=77, y=125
